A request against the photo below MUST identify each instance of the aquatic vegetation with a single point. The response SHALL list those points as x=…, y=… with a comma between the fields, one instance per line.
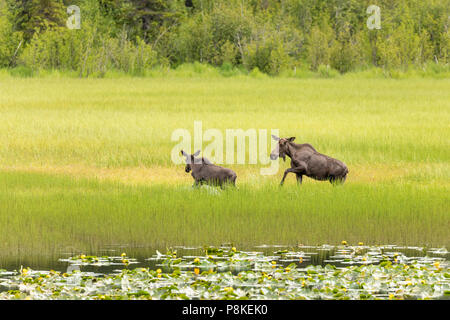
x=228, y=273
x=86, y=162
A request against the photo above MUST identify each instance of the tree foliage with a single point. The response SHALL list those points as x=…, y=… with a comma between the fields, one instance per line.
x=269, y=35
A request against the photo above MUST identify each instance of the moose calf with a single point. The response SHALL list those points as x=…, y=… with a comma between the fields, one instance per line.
x=203, y=171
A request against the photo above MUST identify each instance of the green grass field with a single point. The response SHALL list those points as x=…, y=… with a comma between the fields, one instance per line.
x=86, y=162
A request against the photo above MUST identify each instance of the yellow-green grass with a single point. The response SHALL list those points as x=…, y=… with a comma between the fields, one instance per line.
x=86, y=162
x=43, y=213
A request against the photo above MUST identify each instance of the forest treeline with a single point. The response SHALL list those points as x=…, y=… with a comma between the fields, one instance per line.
x=133, y=36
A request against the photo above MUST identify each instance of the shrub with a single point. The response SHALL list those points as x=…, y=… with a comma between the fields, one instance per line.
x=11, y=42
x=21, y=72
x=327, y=72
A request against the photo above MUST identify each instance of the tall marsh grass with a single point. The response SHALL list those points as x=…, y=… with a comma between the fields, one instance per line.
x=86, y=162
x=41, y=212
x=128, y=122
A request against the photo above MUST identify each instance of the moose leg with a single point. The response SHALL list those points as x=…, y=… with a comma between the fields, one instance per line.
x=284, y=177
x=221, y=183
x=337, y=180
x=299, y=178
x=300, y=170
x=233, y=180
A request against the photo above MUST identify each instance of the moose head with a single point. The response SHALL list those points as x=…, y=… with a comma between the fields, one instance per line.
x=282, y=147
x=190, y=159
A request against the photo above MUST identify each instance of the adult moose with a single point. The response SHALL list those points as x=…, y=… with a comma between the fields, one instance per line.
x=306, y=161
x=203, y=171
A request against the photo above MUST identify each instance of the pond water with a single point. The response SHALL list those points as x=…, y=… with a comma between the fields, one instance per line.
x=313, y=255
x=226, y=272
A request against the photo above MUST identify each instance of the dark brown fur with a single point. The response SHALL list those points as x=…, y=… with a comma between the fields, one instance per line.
x=203, y=171
x=306, y=161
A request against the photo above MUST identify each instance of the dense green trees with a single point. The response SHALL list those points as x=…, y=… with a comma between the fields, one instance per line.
x=271, y=35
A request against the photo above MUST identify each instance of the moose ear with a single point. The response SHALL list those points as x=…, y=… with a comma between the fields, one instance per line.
x=184, y=153
x=197, y=153
x=206, y=161
x=275, y=138
x=291, y=139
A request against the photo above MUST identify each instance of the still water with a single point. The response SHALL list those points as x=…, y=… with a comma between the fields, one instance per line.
x=340, y=256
